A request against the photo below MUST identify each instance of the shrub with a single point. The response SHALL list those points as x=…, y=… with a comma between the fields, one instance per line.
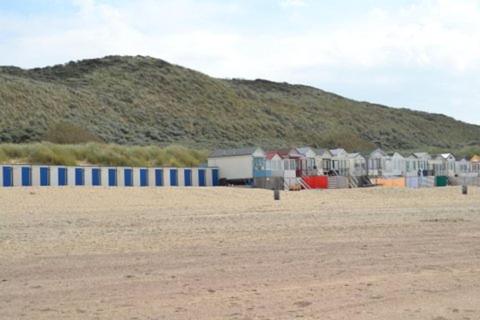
x=68, y=133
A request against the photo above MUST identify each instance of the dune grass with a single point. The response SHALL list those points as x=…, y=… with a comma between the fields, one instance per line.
x=101, y=154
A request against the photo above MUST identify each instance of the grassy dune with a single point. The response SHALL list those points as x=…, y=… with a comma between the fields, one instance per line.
x=146, y=101
x=101, y=154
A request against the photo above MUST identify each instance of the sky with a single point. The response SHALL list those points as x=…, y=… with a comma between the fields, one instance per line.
x=417, y=54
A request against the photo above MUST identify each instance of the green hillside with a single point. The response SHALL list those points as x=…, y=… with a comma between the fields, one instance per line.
x=145, y=101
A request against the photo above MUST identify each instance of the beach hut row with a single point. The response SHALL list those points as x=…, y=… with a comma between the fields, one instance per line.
x=314, y=168
x=59, y=176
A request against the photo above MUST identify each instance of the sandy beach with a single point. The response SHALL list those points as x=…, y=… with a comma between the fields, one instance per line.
x=220, y=253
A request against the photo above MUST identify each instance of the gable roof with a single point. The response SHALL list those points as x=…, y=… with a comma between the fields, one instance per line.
x=355, y=155
x=336, y=152
x=398, y=154
x=380, y=151
x=421, y=155
x=305, y=151
x=475, y=158
x=271, y=154
x=288, y=153
x=321, y=151
x=219, y=153
x=447, y=155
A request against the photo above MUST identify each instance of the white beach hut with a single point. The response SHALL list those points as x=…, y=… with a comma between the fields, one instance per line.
x=239, y=166
x=340, y=161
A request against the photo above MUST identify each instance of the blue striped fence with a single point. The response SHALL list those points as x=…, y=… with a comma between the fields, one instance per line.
x=63, y=176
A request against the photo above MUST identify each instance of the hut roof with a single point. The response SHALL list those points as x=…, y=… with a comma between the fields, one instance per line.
x=304, y=150
x=288, y=153
x=421, y=155
x=233, y=152
x=271, y=154
x=475, y=158
x=379, y=151
x=336, y=152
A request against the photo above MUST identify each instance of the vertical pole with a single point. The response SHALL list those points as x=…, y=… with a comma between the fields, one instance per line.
x=276, y=194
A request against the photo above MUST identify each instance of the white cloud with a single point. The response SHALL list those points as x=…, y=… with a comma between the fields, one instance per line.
x=293, y=3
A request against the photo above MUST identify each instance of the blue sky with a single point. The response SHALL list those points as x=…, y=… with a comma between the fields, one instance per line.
x=418, y=54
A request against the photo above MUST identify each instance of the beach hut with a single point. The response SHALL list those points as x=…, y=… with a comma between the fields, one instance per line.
x=411, y=166
x=340, y=161
x=443, y=164
x=423, y=159
x=376, y=163
x=274, y=164
x=463, y=167
x=357, y=164
x=395, y=165
x=323, y=160
x=475, y=164
x=239, y=166
x=307, y=163
x=291, y=161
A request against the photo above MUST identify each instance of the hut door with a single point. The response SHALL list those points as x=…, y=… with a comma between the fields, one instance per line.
x=201, y=178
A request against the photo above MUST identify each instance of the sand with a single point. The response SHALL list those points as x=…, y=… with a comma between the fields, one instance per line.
x=236, y=254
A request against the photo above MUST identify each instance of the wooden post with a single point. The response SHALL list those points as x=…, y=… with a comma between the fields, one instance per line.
x=276, y=195
x=465, y=189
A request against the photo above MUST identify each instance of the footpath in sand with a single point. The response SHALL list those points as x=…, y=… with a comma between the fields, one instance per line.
x=219, y=253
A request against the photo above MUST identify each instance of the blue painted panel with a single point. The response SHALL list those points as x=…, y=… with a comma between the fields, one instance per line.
x=173, y=177
x=79, y=176
x=26, y=176
x=159, y=177
x=262, y=173
x=62, y=177
x=96, y=177
x=44, y=176
x=128, y=177
x=215, y=177
x=7, y=176
x=202, y=181
x=112, y=177
x=144, y=177
x=188, y=177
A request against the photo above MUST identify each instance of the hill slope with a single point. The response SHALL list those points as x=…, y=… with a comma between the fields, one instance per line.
x=142, y=100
